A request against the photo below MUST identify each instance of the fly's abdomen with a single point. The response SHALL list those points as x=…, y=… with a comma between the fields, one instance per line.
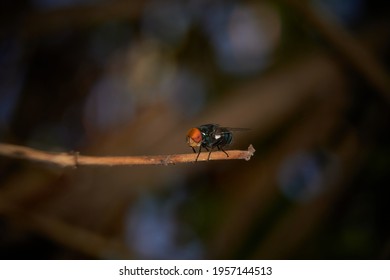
x=215, y=136
x=223, y=138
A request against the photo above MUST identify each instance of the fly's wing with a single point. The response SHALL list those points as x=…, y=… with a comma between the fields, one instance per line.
x=224, y=135
x=215, y=135
x=238, y=129
x=216, y=128
x=228, y=130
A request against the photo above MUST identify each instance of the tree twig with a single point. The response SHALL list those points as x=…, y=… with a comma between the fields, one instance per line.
x=73, y=159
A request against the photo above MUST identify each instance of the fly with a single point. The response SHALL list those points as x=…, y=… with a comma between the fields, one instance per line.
x=210, y=136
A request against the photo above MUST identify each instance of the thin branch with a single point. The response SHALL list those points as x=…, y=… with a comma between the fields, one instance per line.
x=73, y=159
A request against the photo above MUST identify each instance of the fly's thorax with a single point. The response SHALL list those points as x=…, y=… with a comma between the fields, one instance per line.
x=194, y=137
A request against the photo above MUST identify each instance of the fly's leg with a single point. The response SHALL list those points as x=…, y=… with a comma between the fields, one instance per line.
x=193, y=150
x=208, y=158
x=221, y=149
x=207, y=149
x=197, y=156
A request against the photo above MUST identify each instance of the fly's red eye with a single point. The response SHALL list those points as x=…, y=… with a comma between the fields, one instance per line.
x=195, y=135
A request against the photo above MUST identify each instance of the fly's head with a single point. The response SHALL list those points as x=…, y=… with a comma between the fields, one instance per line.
x=194, y=137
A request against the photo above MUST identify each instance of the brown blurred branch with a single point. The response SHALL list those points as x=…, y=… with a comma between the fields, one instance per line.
x=81, y=16
x=74, y=159
x=348, y=46
x=85, y=241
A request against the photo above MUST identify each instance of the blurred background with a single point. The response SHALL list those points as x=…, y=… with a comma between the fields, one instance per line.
x=118, y=78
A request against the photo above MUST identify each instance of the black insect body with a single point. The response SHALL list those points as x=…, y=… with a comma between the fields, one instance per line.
x=210, y=136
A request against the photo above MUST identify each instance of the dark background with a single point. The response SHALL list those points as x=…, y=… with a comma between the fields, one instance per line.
x=310, y=78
